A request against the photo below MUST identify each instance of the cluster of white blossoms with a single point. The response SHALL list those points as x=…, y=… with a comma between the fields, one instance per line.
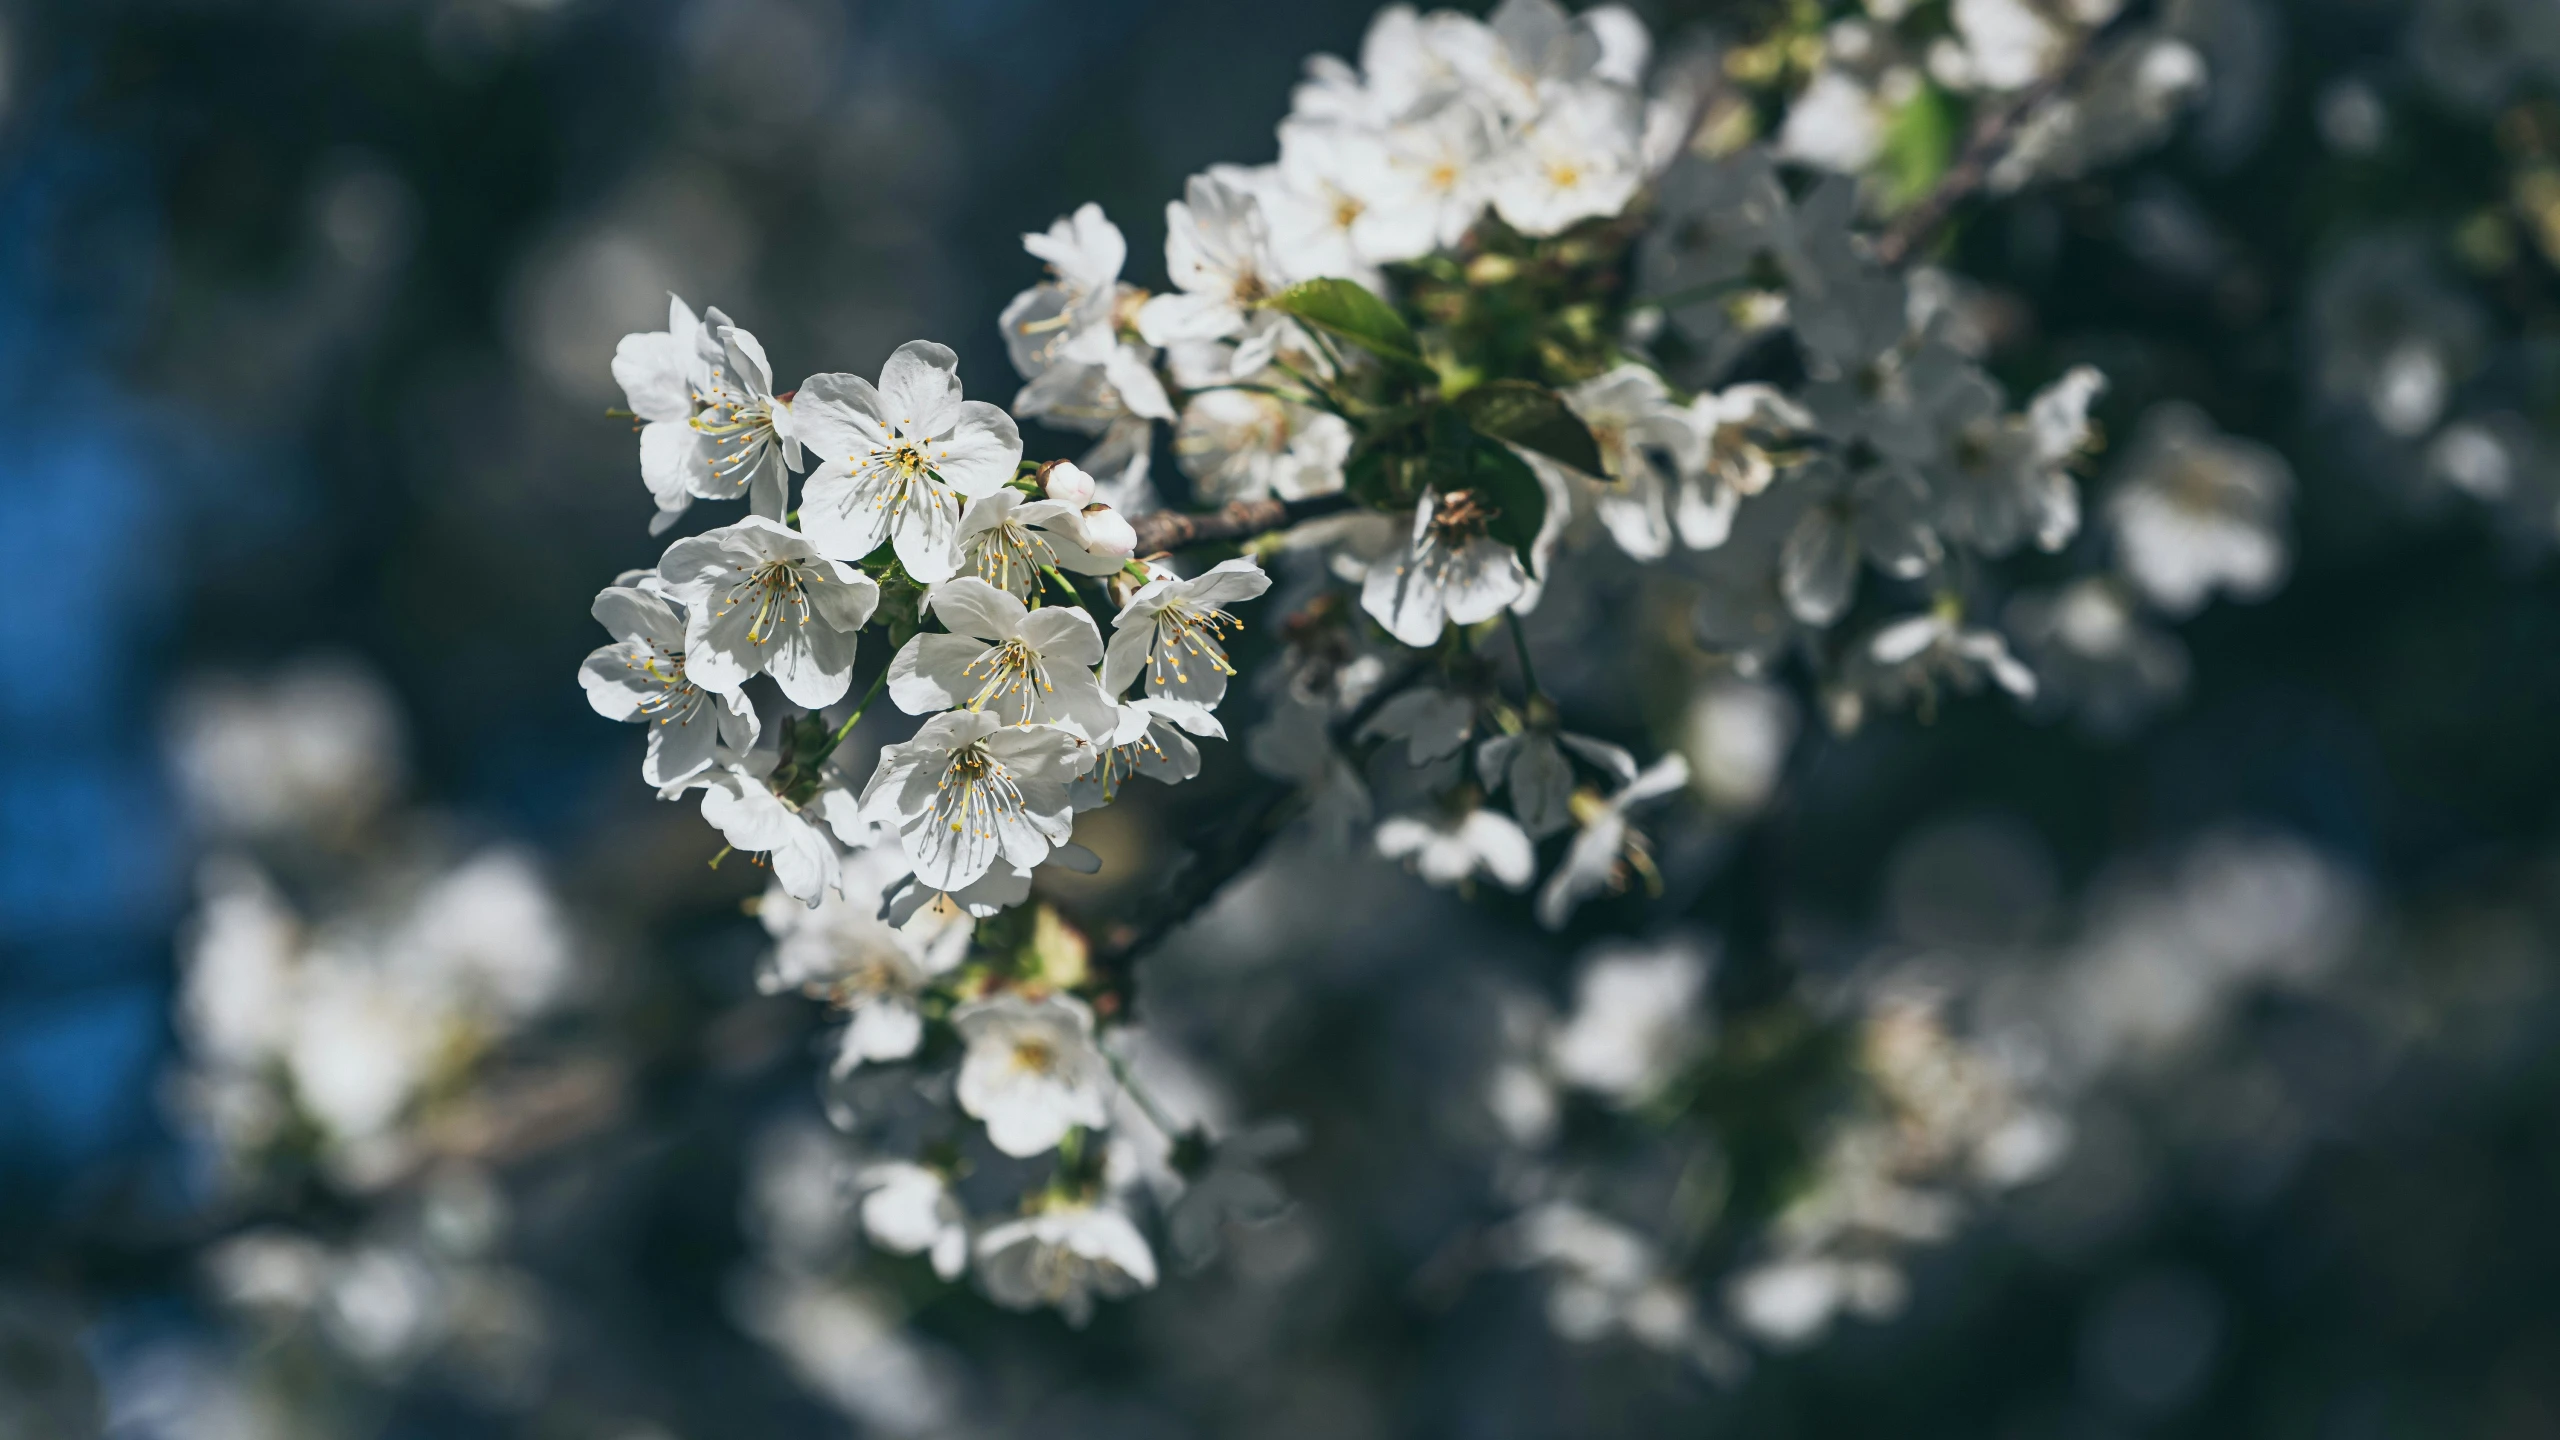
x=1969, y=1069
x=1475, y=340
x=335, y=1035
x=1893, y=70
x=908, y=482
x=339, y=1032
x=983, y=578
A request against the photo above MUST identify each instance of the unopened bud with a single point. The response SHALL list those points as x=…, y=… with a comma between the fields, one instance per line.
x=1068, y=483
x=1107, y=532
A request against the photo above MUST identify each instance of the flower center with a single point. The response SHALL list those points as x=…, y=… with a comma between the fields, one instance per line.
x=872, y=977
x=1184, y=628
x=1014, y=676
x=738, y=428
x=674, y=697
x=2195, y=486
x=1035, y=1056
x=975, y=791
x=1462, y=515
x=1055, y=1272
x=1120, y=764
x=1010, y=556
x=777, y=592
x=904, y=473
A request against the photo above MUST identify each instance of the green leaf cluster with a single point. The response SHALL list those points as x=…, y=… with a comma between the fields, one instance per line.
x=1433, y=426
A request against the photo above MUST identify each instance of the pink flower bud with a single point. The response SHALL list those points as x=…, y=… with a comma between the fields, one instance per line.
x=1069, y=484
x=1107, y=532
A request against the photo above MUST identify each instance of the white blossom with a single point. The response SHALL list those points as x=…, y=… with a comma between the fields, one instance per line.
x=898, y=461
x=1065, y=337
x=1580, y=159
x=1335, y=209
x=1173, y=632
x=910, y=1210
x=1605, y=1279
x=844, y=952
x=1836, y=124
x=2094, y=653
x=1218, y=250
x=641, y=678
x=1879, y=517
x=1409, y=64
x=1737, y=737
x=711, y=426
x=1451, y=573
x=1009, y=540
x=2198, y=511
x=1606, y=846
x=1998, y=45
x=1453, y=850
x=1431, y=721
x=1032, y=1072
x=1440, y=169
x=489, y=937
x=1024, y=667
x=969, y=791
x=359, y=1046
x=2002, y=481
x=1647, y=447
x=1069, y=317
x=1914, y=654
x=759, y=598
x=1294, y=743
x=1063, y=1258
x=1532, y=767
x=1153, y=739
x=1246, y=444
x=312, y=751
x=1736, y=429
x=1790, y=1301
x=1635, y=1019
x=738, y=803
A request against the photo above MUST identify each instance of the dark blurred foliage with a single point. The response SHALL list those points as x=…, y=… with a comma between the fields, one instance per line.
x=305, y=308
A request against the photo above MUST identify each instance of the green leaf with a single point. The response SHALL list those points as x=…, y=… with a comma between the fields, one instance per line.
x=1533, y=417
x=1919, y=144
x=1341, y=308
x=1375, y=475
x=1506, y=482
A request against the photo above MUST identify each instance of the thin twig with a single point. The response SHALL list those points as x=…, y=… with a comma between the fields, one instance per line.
x=1209, y=867
x=1993, y=133
x=1243, y=520
x=838, y=738
x=1148, y=1105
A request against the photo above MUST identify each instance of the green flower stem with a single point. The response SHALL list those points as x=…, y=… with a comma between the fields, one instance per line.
x=1147, y=1104
x=1520, y=646
x=850, y=721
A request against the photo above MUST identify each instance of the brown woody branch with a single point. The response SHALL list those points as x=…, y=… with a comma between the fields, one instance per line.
x=1243, y=520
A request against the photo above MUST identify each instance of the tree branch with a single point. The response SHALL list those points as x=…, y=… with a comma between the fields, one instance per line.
x=1992, y=135
x=1210, y=866
x=1243, y=520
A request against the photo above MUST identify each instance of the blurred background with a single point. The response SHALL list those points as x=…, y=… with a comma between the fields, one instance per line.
x=305, y=313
